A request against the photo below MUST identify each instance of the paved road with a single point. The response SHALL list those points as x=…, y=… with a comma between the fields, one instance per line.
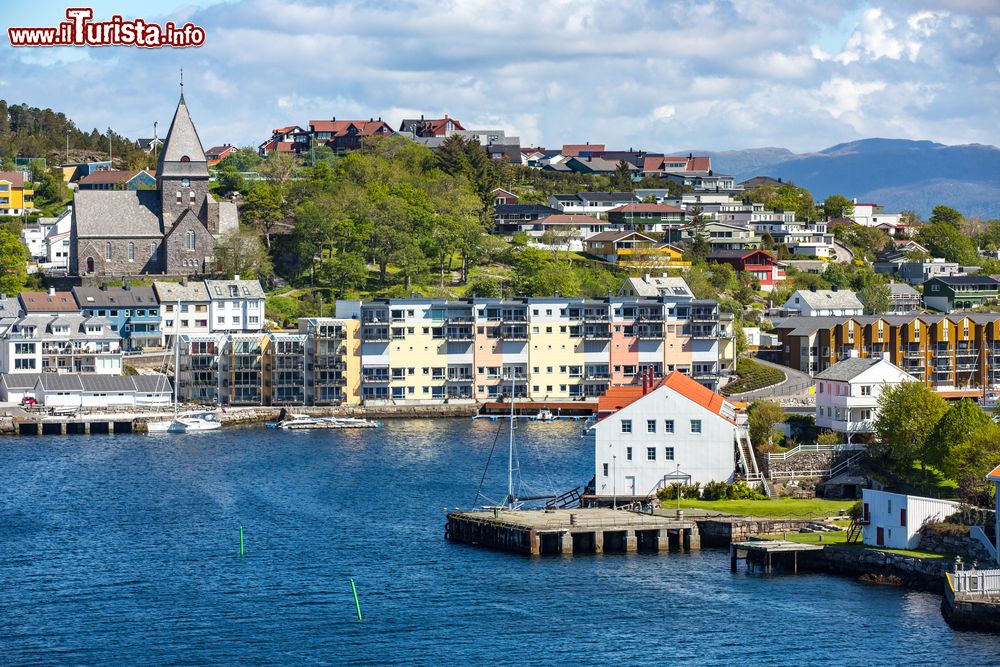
x=796, y=385
x=844, y=253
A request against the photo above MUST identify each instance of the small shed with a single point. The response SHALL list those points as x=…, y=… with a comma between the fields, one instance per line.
x=893, y=520
x=15, y=386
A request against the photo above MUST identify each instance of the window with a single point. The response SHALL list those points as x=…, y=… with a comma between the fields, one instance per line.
x=650, y=453
x=185, y=182
x=107, y=251
x=668, y=426
x=626, y=426
x=189, y=240
x=696, y=426
x=650, y=426
x=131, y=251
x=866, y=390
x=668, y=454
x=191, y=197
x=628, y=453
x=178, y=194
x=605, y=469
x=24, y=364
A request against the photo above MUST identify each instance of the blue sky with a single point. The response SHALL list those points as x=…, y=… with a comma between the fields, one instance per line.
x=659, y=74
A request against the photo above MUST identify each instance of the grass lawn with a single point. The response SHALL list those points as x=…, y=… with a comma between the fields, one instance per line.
x=813, y=538
x=903, y=552
x=799, y=508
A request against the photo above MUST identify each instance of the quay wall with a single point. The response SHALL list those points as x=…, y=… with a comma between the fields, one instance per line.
x=721, y=532
x=880, y=567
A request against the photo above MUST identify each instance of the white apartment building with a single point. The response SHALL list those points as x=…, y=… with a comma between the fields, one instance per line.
x=847, y=393
x=678, y=431
x=824, y=303
x=185, y=309
x=62, y=343
x=235, y=305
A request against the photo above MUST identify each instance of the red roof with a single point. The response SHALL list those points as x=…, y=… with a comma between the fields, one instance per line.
x=695, y=163
x=16, y=178
x=220, y=151
x=646, y=208
x=366, y=128
x=285, y=130
x=284, y=147
x=616, y=398
x=43, y=302
x=574, y=150
x=436, y=126
x=994, y=475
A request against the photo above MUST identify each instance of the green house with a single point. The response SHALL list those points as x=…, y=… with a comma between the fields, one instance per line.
x=948, y=293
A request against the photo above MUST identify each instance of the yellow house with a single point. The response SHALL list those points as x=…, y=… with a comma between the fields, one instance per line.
x=636, y=250
x=15, y=195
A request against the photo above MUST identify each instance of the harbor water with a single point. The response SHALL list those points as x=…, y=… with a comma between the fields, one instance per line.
x=124, y=550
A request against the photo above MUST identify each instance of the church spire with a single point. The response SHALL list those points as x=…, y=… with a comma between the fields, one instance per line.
x=182, y=153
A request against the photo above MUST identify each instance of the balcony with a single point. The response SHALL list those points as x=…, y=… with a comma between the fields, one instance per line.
x=596, y=317
x=650, y=332
x=458, y=334
x=375, y=334
x=702, y=331
x=462, y=318
x=513, y=333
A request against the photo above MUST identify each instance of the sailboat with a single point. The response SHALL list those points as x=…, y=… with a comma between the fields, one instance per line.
x=198, y=420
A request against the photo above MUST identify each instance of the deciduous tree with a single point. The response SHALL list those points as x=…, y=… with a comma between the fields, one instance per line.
x=907, y=416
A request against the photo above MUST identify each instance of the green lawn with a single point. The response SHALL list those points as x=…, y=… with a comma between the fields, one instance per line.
x=839, y=537
x=782, y=507
x=903, y=552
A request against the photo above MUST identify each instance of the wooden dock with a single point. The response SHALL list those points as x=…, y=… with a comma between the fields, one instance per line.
x=767, y=554
x=571, y=531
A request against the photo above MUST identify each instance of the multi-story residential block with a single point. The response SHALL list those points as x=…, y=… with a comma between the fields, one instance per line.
x=63, y=343
x=903, y=299
x=917, y=273
x=848, y=392
x=566, y=230
x=954, y=352
x=656, y=286
x=236, y=305
x=285, y=369
x=949, y=293
x=677, y=431
x=510, y=218
x=333, y=360
x=184, y=309
x=873, y=215
x=719, y=235
x=16, y=195
x=824, y=303
x=133, y=311
x=198, y=376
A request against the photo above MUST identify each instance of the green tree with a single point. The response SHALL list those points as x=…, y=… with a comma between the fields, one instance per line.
x=723, y=277
x=956, y=426
x=263, y=207
x=946, y=215
x=973, y=458
x=836, y=275
x=230, y=180
x=485, y=287
x=837, y=206
x=767, y=241
x=621, y=180
x=700, y=247
x=13, y=262
x=907, y=416
x=343, y=272
x=242, y=159
x=943, y=239
x=762, y=417
x=876, y=297
x=240, y=253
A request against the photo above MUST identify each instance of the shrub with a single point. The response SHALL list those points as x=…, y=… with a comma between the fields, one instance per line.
x=944, y=528
x=715, y=491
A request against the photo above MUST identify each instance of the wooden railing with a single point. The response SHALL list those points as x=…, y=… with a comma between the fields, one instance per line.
x=976, y=582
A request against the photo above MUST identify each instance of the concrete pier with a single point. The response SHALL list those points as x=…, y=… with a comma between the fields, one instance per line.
x=764, y=554
x=571, y=531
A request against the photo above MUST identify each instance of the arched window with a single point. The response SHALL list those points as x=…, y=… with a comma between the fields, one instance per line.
x=152, y=250
x=107, y=251
x=178, y=196
x=189, y=240
x=191, y=197
x=90, y=265
x=131, y=251
x=185, y=158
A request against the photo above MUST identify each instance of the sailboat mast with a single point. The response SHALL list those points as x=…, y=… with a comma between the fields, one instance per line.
x=510, y=443
x=177, y=353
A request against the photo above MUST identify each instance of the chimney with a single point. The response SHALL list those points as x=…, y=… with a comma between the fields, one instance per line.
x=835, y=288
x=52, y=291
x=690, y=156
x=236, y=277
x=645, y=277
x=645, y=384
x=812, y=288
x=852, y=353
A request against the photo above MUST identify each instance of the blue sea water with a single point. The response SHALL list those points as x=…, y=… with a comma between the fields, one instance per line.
x=124, y=550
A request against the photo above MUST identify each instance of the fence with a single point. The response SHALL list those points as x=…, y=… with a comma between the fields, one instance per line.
x=976, y=582
x=802, y=449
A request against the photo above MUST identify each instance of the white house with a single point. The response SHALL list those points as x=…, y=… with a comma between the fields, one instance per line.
x=893, y=520
x=184, y=308
x=677, y=431
x=824, y=303
x=57, y=242
x=847, y=393
x=237, y=306
x=872, y=215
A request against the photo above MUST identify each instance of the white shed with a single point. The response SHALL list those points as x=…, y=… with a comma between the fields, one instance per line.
x=893, y=520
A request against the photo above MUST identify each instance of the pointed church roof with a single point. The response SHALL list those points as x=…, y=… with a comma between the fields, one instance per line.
x=182, y=153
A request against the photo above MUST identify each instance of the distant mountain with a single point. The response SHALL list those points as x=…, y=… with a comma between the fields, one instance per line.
x=896, y=173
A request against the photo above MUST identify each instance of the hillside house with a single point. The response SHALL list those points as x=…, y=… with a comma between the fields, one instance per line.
x=847, y=393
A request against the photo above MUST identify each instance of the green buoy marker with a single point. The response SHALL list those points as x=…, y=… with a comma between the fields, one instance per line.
x=241, y=541
x=357, y=605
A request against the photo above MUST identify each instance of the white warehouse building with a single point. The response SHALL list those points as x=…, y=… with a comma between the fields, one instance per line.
x=893, y=520
x=676, y=431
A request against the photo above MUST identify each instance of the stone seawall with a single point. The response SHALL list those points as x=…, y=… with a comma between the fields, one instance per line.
x=721, y=532
x=804, y=461
x=257, y=415
x=880, y=567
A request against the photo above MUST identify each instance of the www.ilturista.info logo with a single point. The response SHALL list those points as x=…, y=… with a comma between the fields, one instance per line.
x=79, y=30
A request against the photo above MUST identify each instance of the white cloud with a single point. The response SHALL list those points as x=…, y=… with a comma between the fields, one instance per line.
x=664, y=112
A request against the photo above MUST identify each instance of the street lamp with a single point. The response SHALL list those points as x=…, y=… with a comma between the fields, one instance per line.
x=614, y=481
x=677, y=475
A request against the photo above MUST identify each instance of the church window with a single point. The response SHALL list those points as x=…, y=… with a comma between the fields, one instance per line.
x=152, y=250
x=178, y=196
x=189, y=239
x=185, y=182
x=131, y=251
x=191, y=196
x=107, y=251
x=185, y=158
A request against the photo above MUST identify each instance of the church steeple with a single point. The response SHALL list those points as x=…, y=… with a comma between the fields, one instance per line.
x=182, y=154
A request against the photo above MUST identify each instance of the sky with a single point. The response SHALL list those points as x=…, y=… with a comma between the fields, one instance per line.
x=660, y=75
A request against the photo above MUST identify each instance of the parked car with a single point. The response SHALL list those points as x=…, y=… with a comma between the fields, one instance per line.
x=28, y=401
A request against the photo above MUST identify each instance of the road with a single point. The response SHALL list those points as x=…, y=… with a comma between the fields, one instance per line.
x=844, y=253
x=796, y=385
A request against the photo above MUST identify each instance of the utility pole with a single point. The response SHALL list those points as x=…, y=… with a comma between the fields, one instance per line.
x=67, y=146
x=109, y=149
x=155, y=147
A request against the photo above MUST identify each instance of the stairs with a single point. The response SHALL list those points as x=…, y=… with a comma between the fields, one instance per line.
x=853, y=531
x=571, y=498
x=748, y=462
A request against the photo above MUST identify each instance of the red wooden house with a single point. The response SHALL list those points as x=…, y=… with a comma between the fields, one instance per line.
x=761, y=264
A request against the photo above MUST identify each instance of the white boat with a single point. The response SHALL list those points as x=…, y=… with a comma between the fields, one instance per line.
x=545, y=415
x=187, y=422
x=183, y=423
x=302, y=422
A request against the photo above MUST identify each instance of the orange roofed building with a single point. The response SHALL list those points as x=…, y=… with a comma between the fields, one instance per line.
x=671, y=430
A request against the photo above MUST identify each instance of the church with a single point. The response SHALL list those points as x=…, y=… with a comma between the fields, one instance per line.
x=171, y=230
